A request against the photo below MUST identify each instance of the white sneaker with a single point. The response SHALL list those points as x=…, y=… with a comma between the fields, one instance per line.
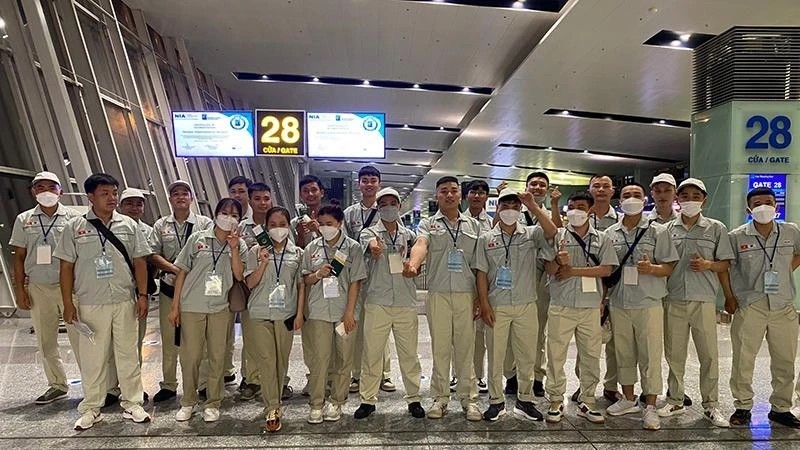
x=184, y=414
x=331, y=412
x=671, y=410
x=473, y=413
x=137, y=414
x=716, y=418
x=438, y=410
x=651, y=419
x=589, y=414
x=622, y=407
x=87, y=420
x=315, y=416
x=555, y=412
x=210, y=415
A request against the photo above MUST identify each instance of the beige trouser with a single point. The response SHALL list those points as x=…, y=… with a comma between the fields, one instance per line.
x=249, y=367
x=750, y=324
x=452, y=329
x=404, y=326
x=230, y=369
x=480, y=350
x=610, y=381
x=270, y=344
x=323, y=347
x=699, y=318
x=542, y=306
x=204, y=335
x=113, y=377
x=517, y=324
x=639, y=337
x=169, y=352
x=115, y=329
x=46, y=310
x=583, y=323
x=358, y=351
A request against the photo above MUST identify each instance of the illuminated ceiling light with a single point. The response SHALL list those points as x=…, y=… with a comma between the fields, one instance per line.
x=465, y=89
x=264, y=77
x=675, y=43
x=662, y=121
x=441, y=128
x=549, y=148
x=405, y=125
x=565, y=112
x=416, y=85
x=518, y=4
x=315, y=80
x=586, y=152
x=685, y=37
x=365, y=83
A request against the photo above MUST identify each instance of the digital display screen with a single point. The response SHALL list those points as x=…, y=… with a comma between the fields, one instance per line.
x=213, y=134
x=346, y=135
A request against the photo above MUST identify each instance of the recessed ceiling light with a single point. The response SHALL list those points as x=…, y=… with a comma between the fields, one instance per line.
x=586, y=151
x=675, y=43
x=441, y=128
x=365, y=83
x=465, y=89
x=315, y=80
x=264, y=77
x=662, y=121
x=405, y=125
x=518, y=4
x=685, y=37
x=416, y=85
x=565, y=112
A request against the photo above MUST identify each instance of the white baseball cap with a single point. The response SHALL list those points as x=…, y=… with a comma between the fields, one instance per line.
x=693, y=182
x=387, y=191
x=663, y=178
x=46, y=176
x=507, y=192
x=177, y=183
x=131, y=193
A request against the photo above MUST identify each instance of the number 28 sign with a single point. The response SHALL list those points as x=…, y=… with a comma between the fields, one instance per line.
x=280, y=133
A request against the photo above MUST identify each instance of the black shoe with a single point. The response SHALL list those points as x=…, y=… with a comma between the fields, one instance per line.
x=201, y=394
x=228, y=379
x=164, y=394
x=611, y=396
x=642, y=400
x=111, y=400
x=511, y=385
x=145, y=398
x=416, y=410
x=740, y=417
x=482, y=387
x=686, y=400
x=785, y=418
x=453, y=384
x=364, y=410
x=527, y=411
x=242, y=385
x=576, y=396
x=538, y=388
x=495, y=412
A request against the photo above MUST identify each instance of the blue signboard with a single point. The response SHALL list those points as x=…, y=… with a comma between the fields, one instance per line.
x=776, y=182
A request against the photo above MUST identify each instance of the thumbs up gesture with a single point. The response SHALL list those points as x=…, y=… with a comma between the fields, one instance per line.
x=698, y=263
x=375, y=248
x=644, y=265
x=562, y=257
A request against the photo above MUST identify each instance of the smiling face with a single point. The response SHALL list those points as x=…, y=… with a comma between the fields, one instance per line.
x=537, y=186
x=448, y=195
x=180, y=198
x=133, y=208
x=477, y=198
x=602, y=189
x=369, y=185
x=311, y=194
x=261, y=201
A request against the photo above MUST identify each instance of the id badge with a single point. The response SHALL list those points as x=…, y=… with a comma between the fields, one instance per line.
x=395, y=261
x=44, y=255
x=330, y=287
x=455, y=261
x=213, y=285
x=630, y=276
x=772, y=284
x=504, y=279
x=104, y=267
x=588, y=285
x=277, y=298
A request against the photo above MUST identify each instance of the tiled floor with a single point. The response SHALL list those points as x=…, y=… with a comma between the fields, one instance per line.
x=24, y=425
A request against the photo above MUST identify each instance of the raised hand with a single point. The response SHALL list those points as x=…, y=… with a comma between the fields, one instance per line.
x=375, y=248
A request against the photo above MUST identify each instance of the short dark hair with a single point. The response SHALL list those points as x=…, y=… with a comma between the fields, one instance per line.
x=760, y=191
x=447, y=179
x=225, y=202
x=308, y=179
x=239, y=180
x=634, y=183
x=332, y=210
x=369, y=171
x=582, y=196
x=478, y=184
x=257, y=187
x=96, y=180
x=601, y=175
x=279, y=210
x=537, y=175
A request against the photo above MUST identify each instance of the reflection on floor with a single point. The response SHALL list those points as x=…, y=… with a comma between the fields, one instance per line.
x=25, y=425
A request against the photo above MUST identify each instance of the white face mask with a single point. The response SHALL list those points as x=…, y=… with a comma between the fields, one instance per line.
x=576, y=217
x=763, y=214
x=389, y=213
x=327, y=232
x=47, y=199
x=278, y=234
x=509, y=216
x=539, y=199
x=226, y=222
x=691, y=209
x=632, y=206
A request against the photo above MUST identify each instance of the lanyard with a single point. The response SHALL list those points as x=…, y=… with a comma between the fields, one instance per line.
x=506, y=246
x=364, y=220
x=178, y=236
x=214, y=256
x=454, y=236
x=587, y=250
x=774, y=247
x=41, y=224
x=278, y=266
x=325, y=248
x=627, y=244
x=594, y=216
x=396, y=235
